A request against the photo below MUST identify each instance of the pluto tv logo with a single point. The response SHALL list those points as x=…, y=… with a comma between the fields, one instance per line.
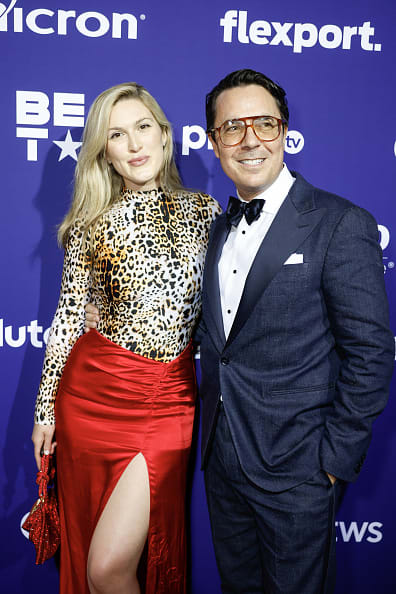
x=299, y=36
x=44, y=21
x=16, y=337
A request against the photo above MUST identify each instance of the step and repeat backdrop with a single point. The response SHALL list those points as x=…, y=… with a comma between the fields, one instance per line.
x=335, y=60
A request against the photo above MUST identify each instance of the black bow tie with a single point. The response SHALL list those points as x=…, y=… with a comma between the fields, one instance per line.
x=236, y=209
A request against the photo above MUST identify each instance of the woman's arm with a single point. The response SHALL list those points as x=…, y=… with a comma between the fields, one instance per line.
x=67, y=326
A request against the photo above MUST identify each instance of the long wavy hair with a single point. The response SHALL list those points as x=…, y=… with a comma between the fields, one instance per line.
x=96, y=183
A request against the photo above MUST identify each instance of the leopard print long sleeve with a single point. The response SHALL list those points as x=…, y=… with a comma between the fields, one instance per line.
x=143, y=269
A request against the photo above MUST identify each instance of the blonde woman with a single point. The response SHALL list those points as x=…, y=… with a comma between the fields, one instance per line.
x=123, y=396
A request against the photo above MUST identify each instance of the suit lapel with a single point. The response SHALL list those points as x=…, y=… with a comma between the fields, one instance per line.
x=212, y=288
x=294, y=221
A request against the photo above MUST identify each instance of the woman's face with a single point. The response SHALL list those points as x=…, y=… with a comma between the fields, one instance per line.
x=135, y=144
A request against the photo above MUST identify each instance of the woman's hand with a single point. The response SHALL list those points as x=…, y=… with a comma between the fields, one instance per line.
x=42, y=437
x=91, y=317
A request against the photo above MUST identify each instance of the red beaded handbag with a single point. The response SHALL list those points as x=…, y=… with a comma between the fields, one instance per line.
x=43, y=521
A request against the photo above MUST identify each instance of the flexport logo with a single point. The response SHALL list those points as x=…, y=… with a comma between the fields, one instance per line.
x=298, y=36
x=43, y=21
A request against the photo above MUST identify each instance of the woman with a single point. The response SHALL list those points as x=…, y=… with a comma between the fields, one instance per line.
x=135, y=243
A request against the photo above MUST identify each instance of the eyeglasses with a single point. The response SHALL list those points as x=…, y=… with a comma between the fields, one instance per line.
x=233, y=132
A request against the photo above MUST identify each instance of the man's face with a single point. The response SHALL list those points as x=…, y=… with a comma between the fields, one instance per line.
x=253, y=165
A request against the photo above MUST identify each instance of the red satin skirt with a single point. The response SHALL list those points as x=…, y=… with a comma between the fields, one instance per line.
x=111, y=405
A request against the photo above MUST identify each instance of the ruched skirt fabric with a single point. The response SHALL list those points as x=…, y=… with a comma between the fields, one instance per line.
x=111, y=405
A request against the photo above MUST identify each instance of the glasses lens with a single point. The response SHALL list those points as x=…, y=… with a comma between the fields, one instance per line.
x=266, y=128
x=232, y=132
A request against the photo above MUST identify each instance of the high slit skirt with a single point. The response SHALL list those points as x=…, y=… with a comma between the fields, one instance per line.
x=112, y=405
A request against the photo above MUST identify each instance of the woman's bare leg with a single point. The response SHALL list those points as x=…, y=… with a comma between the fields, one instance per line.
x=121, y=533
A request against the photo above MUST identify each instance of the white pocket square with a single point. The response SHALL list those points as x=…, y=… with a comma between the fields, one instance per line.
x=295, y=259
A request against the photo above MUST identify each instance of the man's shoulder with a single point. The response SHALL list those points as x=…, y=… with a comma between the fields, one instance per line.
x=333, y=203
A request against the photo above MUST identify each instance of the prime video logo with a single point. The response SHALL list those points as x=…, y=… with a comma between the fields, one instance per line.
x=297, y=35
x=44, y=21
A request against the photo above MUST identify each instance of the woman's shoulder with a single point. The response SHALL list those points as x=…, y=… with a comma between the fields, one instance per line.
x=77, y=235
x=76, y=229
x=201, y=200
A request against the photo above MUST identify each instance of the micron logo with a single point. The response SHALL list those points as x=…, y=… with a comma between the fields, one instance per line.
x=44, y=21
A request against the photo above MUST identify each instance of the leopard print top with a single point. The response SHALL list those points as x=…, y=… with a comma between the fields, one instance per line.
x=142, y=267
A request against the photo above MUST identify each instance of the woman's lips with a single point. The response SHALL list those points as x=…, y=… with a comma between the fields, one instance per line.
x=138, y=161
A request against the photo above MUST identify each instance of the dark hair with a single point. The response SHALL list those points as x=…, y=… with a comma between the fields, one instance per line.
x=241, y=78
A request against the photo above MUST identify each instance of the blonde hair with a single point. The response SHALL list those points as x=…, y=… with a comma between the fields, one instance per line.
x=96, y=183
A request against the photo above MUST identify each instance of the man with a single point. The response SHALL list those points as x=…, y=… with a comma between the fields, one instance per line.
x=296, y=352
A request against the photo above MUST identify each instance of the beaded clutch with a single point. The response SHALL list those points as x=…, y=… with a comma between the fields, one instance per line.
x=43, y=521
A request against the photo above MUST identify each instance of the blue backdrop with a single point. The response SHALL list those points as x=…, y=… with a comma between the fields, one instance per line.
x=336, y=62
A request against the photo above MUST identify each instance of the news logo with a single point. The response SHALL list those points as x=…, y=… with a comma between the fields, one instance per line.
x=357, y=532
x=385, y=238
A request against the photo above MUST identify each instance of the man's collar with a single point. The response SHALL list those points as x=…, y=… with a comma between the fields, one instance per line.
x=277, y=192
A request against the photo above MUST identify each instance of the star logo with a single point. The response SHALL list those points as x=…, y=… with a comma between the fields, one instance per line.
x=69, y=147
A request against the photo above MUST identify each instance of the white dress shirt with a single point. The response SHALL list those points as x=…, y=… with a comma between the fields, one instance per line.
x=242, y=245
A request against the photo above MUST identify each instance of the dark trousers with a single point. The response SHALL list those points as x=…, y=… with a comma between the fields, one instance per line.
x=276, y=543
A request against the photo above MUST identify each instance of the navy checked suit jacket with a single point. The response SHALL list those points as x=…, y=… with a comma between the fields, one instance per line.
x=307, y=364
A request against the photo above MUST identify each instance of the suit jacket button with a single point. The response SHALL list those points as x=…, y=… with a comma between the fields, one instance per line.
x=224, y=361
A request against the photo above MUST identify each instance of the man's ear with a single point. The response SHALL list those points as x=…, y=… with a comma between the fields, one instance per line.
x=214, y=145
x=285, y=129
